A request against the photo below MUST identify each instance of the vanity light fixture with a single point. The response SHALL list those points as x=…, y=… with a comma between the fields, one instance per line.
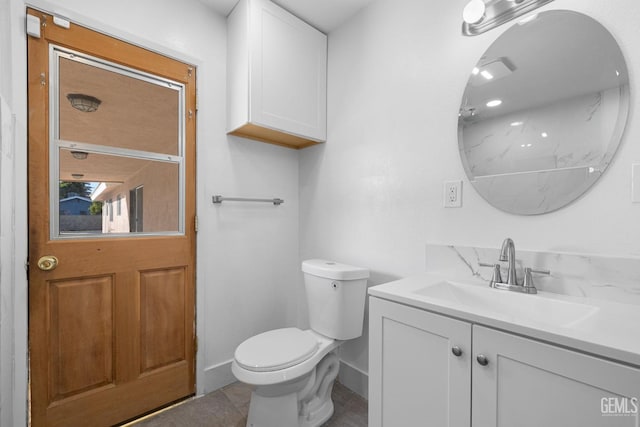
x=84, y=103
x=473, y=12
x=479, y=16
x=494, y=103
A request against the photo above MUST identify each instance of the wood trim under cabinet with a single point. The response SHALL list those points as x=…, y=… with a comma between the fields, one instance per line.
x=271, y=136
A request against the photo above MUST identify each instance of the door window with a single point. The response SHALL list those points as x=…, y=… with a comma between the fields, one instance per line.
x=113, y=131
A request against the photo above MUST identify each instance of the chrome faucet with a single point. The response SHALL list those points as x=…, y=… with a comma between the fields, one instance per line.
x=508, y=254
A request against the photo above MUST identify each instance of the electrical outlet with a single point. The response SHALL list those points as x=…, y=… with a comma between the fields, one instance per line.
x=452, y=194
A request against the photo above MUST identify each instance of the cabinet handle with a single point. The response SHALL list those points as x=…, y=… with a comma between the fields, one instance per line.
x=482, y=360
x=457, y=351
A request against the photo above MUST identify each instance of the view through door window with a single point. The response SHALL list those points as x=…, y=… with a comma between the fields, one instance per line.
x=115, y=131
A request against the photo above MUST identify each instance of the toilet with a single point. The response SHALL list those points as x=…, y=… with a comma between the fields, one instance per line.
x=292, y=370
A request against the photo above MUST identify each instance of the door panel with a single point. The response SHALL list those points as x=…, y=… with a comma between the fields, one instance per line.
x=111, y=327
x=162, y=296
x=81, y=318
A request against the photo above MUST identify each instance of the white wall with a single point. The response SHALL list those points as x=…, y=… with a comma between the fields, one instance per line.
x=247, y=262
x=372, y=195
x=13, y=231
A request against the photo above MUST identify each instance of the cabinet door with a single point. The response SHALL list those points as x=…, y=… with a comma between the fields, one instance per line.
x=527, y=383
x=414, y=378
x=288, y=72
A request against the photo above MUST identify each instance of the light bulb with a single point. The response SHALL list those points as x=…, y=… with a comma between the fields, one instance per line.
x=473, y=12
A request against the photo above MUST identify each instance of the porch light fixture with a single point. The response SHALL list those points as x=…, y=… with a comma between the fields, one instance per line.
x=84, y=103
x=79, y=155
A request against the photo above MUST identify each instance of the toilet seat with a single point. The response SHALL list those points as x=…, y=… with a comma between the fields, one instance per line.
x=275, y=350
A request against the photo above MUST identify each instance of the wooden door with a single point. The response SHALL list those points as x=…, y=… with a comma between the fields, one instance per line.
x=531, y=384
x=111, y=326
x=415, y=379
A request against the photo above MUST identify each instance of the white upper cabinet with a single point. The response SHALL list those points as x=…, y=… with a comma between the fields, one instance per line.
x=276, y=76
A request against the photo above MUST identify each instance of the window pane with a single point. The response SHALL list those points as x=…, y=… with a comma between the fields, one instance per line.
x=109, y=188
x=131, y=112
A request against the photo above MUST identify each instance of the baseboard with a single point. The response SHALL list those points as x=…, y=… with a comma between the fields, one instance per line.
x=354, y=379
x=215, y=377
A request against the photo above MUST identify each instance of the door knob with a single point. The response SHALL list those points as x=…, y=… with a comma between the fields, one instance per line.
x=457, y=351
x=47, y=263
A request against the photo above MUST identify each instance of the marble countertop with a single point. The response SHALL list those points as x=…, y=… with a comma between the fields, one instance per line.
x=598, y=327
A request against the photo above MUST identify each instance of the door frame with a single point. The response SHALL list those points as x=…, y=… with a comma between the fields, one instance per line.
x=19, y=391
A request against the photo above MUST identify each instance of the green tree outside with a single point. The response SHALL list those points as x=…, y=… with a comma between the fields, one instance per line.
x=82, y=189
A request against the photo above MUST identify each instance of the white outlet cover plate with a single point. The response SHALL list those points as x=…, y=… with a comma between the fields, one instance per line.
x=456, y=187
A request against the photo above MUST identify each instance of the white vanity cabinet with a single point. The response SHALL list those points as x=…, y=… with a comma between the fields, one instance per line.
x=528, y=383
x=276, y=76
x=416, y=379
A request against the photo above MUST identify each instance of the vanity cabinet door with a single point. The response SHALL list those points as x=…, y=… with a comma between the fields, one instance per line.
x=414, y=377
x=527, y=383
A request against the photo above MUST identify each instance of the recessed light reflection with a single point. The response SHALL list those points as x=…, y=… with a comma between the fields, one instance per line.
x=475, y=71
x=514, y=124
x=544, y=134
x=487, y=75
x=494, y=103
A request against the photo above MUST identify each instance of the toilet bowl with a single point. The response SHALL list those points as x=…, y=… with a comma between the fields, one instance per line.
x=293, y=370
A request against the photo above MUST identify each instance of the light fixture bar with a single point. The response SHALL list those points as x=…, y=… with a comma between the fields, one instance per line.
x=498, y=12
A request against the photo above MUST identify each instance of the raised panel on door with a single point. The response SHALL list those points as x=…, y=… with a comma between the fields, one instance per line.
x=531, y=384
x=415, y=379
x=81, y=335
x=162, y=318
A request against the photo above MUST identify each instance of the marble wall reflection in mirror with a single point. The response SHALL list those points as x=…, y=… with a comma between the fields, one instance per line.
x=543, y=112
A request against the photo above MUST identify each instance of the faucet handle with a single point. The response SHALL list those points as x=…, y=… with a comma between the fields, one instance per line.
x=496, y=277
x=545, y=272
x=528, y=281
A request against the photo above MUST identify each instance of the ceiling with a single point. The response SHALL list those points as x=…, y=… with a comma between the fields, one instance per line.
x=325, y=15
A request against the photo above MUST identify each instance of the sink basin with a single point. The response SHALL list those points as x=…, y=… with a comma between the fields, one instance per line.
x=510, y=306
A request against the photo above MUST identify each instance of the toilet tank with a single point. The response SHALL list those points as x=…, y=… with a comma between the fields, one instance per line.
x=336, y=294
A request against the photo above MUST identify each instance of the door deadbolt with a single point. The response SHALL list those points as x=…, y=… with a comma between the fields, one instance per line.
x=47, y=263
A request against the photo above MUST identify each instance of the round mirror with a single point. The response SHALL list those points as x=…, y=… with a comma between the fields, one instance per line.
x=543, y=112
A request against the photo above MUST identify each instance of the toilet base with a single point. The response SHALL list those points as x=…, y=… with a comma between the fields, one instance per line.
x=304, y=402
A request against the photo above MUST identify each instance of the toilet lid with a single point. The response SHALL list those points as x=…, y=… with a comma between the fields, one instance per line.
x=277, y=349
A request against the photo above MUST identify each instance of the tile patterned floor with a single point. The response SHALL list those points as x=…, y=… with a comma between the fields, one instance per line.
x=228, y=407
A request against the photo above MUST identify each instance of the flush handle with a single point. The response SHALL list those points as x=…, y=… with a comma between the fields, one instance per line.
x=457, y=351
x=48, y=263
x=482, y=360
